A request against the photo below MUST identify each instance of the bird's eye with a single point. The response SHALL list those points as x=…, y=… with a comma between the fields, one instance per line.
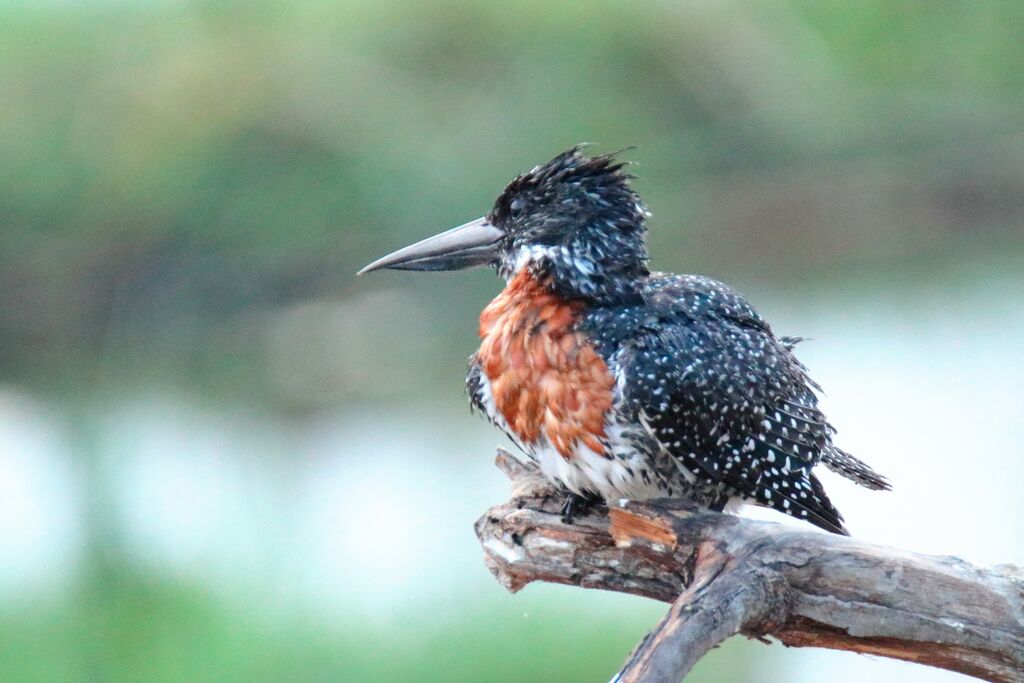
x=517, y=206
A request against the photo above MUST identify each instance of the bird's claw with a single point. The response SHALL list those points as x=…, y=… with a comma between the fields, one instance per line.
x=576, y=504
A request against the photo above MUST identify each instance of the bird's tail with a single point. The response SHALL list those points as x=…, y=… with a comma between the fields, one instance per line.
x=844, y=464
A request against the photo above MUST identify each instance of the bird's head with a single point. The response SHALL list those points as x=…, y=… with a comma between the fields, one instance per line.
x=574, y=222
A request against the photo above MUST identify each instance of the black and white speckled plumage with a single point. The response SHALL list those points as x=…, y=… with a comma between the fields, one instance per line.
x=703, y=372
x=708, y=402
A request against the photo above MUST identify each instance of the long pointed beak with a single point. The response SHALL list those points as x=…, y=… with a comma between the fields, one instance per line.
x=472, y=244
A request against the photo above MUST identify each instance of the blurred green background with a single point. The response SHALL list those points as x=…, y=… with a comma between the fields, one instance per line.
x=223, y=458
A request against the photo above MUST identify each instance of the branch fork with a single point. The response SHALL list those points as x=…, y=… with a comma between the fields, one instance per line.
x=726, y=575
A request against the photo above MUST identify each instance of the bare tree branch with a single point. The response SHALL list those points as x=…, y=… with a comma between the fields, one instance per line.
x=726, y=575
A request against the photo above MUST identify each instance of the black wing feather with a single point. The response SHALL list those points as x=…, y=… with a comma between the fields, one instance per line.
x=719, y=392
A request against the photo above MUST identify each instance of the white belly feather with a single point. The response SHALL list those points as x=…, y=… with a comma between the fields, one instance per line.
x=615, y=477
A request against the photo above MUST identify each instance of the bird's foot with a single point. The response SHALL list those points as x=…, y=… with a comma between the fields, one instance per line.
x=576, y=504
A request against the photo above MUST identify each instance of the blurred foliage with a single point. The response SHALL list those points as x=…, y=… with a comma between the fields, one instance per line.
x=129, y=628
x=174, y=173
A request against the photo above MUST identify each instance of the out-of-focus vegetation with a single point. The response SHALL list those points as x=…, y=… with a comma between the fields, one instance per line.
x=187, y=188
x=127, y=630
x=175, y=173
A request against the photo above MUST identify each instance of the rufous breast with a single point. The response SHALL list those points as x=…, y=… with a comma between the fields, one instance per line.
x=546, y=379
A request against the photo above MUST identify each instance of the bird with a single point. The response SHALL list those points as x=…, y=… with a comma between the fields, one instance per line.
x=623, y=383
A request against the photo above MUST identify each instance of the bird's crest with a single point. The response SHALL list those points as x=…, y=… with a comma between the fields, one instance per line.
x=603, y=176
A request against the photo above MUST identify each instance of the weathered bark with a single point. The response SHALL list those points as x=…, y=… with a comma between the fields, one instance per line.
x=726, y=575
